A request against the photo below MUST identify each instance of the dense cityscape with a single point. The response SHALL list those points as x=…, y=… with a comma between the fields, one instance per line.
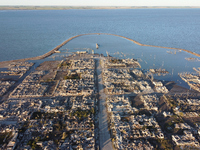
x=69, y=103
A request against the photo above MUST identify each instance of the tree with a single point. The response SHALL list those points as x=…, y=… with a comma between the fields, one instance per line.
x=64, y=135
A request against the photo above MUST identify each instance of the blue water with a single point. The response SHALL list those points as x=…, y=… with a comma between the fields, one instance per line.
x=32, y=33
x=148, y=57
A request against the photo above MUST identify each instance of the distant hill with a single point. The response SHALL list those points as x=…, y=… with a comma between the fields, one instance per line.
x=92, y=7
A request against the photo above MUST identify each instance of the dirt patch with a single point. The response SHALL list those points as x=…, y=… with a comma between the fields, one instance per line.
x=192, y=121
x=163, y=106
x=49, y=76
x=178, y=89
x=5, y=64
x=48, y=65
x=183, y=92
x=5, y=77
x=136, y=102
x=60, y=75
x=51, y=88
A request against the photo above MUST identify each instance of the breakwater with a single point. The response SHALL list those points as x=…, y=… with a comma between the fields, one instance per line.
x=65, y=42
x=136, y=42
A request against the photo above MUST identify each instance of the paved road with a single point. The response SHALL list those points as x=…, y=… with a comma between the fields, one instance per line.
x=104, y=135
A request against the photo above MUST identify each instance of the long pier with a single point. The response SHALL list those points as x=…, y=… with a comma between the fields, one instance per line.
x=68, y=40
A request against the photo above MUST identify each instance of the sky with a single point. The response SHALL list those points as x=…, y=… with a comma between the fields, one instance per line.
x=102, y=2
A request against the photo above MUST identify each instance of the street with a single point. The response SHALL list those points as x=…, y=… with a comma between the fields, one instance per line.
x=104, y=135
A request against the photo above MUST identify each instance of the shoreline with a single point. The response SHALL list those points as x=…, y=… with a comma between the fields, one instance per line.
x=24, y=7
x=68, y=40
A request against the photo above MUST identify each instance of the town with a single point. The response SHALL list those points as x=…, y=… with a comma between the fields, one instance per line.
x=58, y=104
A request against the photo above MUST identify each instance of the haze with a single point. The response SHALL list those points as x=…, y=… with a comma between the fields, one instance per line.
x=101, y=3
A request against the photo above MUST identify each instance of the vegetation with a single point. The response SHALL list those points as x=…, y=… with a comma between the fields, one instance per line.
x=64, y=135
x=24, y=127
x=151, y=128
x=161, y=144
x=144, y=111
x=136, y=102
x=6, y=136
x=172, y=102
x=74, y=76
x=59, y=126
x=82, y=114
x=48, y=80
x=33, y=144
x=169, y=124
x=116, y=61
x=64, y=64
x=40, y=115
x=125, y=119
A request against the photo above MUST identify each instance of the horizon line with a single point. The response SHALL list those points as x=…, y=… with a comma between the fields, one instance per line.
x=49, y=7
x=97, y=6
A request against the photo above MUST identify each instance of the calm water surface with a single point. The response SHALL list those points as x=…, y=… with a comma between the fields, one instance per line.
x=31, y=33
x=35, y=32
x=148, y=57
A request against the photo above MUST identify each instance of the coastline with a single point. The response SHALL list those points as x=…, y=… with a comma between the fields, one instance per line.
x=104, y=96
x=20, y=7
x=68, y=40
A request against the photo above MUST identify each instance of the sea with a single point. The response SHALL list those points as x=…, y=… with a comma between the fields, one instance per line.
x=30, y=33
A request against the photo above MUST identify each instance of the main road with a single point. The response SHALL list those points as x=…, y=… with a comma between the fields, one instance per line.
x=104, y=135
